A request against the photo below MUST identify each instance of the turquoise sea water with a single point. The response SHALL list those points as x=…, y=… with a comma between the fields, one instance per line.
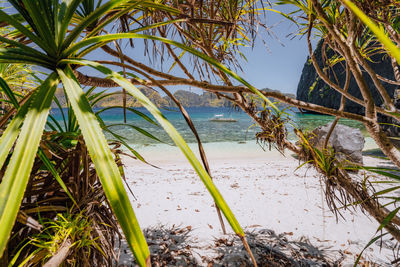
x=242, y=130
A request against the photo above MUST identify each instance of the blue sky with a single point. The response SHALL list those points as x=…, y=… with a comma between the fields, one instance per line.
x=277, y=64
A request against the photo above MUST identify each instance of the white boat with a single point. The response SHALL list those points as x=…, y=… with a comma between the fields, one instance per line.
x=221, y=118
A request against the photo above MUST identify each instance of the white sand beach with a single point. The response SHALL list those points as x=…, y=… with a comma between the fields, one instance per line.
x=264, y=189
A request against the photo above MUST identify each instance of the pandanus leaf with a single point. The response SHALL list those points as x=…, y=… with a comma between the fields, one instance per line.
x=16, y=177
x=11, y=133
x=106, y=167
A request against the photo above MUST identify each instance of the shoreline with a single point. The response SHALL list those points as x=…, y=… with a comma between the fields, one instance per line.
x=215, y=151
x=265, y=190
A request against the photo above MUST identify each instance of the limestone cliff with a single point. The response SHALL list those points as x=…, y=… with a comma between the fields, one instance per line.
x=312, y=89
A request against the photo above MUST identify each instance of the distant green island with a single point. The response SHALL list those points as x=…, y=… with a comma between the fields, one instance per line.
x=186, y=98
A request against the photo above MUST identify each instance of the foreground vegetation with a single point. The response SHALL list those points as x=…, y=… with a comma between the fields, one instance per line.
x=73, y=173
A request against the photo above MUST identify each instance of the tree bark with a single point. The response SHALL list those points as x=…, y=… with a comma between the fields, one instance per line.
x=60, y=256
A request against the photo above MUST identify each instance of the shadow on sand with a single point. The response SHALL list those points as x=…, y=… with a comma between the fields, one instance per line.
x=173, y=246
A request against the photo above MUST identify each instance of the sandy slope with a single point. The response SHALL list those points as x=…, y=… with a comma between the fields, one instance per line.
x=264, y=190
